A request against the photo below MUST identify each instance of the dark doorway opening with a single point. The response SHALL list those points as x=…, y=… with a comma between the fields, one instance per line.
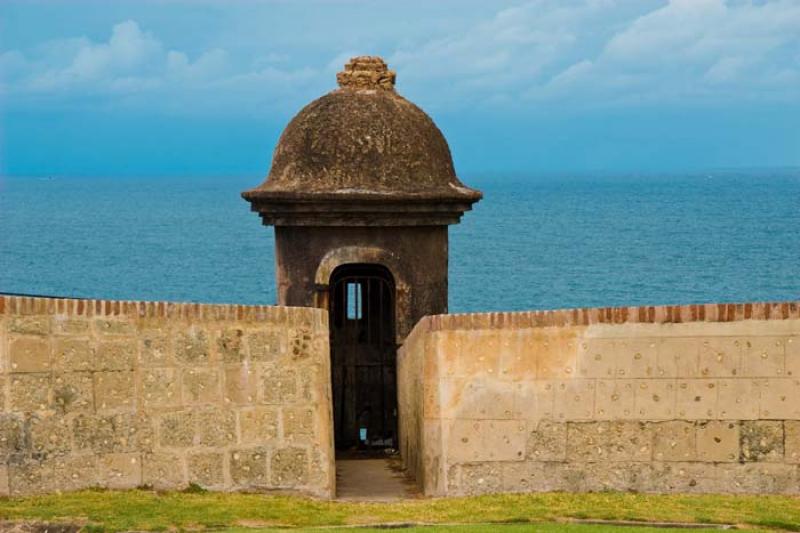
x=363, y=357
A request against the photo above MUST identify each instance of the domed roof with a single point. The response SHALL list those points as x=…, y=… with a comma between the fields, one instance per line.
x=363, y=142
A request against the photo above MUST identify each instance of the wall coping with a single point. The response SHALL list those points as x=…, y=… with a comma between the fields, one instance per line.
x=652, y=314
x=38, y=305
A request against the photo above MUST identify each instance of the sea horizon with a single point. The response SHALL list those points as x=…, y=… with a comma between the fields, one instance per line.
x=541, y=241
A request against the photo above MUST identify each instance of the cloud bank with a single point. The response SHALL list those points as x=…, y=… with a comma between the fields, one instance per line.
x=540, y=53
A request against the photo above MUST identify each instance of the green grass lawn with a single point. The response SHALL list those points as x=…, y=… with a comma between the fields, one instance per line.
x=493, y=528
x=145, y=510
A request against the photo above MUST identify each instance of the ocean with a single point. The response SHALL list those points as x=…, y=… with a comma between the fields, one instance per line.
x=533, y=242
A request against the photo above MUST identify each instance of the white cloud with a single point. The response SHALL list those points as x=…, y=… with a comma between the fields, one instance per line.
x=573, y=52
x=690, y=48
x=133, y=64
x=609, y=51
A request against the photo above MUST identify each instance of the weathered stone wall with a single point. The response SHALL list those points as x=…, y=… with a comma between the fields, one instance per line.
x=125, y=394
x=662, y=399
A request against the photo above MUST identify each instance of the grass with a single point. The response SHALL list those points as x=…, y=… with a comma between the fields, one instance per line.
x=493, y=528
x=145, y=510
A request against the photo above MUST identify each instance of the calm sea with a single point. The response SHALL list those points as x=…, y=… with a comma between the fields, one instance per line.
x=532, y=243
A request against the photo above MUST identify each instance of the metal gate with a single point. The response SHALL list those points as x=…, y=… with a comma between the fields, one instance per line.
x=363, y=357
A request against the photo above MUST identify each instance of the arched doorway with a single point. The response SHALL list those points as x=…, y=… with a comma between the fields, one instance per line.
x=363, y=357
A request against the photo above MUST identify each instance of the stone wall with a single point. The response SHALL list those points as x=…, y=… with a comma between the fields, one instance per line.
x=656, y=399
x=126, y=394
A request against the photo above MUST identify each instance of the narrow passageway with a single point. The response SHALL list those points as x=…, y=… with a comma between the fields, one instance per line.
x=373, y=479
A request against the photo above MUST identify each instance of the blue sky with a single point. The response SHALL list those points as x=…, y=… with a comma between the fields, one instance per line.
x=157, y=87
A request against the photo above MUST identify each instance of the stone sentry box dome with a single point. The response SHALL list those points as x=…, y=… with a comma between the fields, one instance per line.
x=363, y=176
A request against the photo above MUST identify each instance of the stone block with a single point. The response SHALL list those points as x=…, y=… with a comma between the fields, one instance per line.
x=120, y=470
x=73, y=354
x=202, y=386
x=718, y=441
x=163, y=471
x=114, y=390
x=480, y=478
x=301, y=344
x=618, y=476
x=31, y=477
x=674, y=441
x=721, y=357
x=215, y=427
x=143, y=431
x=114, y=326
x=191, y=346
x=105, y=433
x=557, y=356
x=737, y=399
x=249, y=467
x=472, y=398
x=289, y=467
x=614, y=399
x=12, y=436
x=266, y=344
x=73, y=472
x=30, y=325
x=547, y=441
x=596, y=358
x=278, y=385
x=5, y=490
x=31, y=392
x=517, y=356
x=156, y=348
x=792, y=441
x=487, y=440
x=440, y=396
x=160, y=387
x=761, y=441
x=574, y=399
x=73, y=392
x=677, y=358
x=792, y=351
x=314, y=382
x=654, y=399
x=780, y=398
x=439, y=354
x=480, y=354
x=241, y=384
x=259, y=425
x=608, y=441
x=298, y=423
x=532, y=476
x=3, y=383
x=115, y=355
x=320, y=465
x=65, y=325
x=231, y=345
x=763, y=357
x=50, y=435
x=177, y=430
x=29, y=354
x=678, y=477
x=637, y=358
x=758, y=478
x=534, y=400
x=696, y=399
x=206, y=469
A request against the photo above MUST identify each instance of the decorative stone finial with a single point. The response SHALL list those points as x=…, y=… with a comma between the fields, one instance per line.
x=366, y=73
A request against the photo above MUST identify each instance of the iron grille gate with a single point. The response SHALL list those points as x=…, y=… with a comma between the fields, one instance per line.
x=363, y=357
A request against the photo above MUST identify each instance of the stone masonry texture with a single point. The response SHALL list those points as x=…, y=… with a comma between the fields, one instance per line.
x=687, y=399
x=127, y=394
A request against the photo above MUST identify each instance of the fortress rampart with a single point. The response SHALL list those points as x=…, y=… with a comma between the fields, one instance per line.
x=98, y=393
x=702, y=398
